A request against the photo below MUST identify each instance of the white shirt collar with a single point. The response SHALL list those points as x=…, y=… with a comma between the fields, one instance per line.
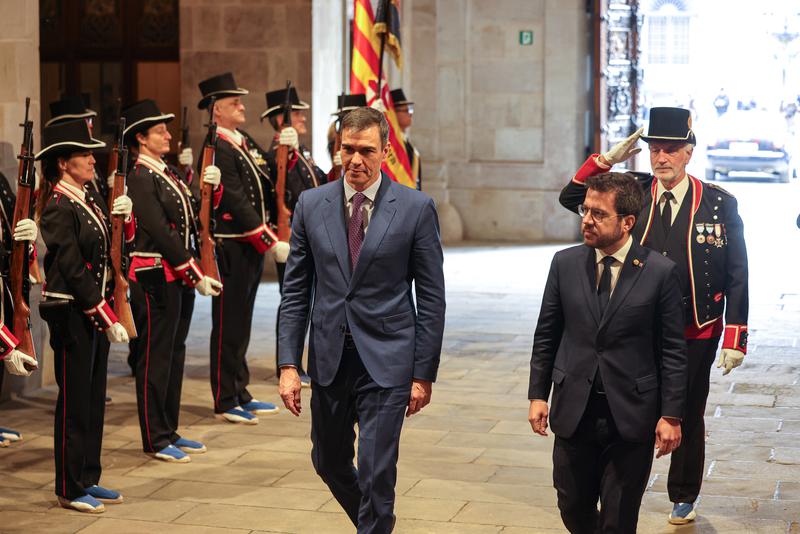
x=157, y=164
x=619, y=255
x=233, y=135
x=77, y=191
x=679, y=191
x=371, y=192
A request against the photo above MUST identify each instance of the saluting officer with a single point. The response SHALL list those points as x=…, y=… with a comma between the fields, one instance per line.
x=301, y=171
x=75, y=228
x=13, y=359
x=404, y=109
x=243, y=236
x=164, y=274
x=712, y=267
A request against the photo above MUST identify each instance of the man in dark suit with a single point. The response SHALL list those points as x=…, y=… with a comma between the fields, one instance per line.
x=610, y=341
x=697, y=225
x=357, y=245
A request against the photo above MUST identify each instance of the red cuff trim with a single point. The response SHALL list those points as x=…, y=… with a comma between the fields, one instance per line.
x=735, y=337
x=32, y=254
x=102, y=315
x=589, y=168
x=262, y=241
x=7, y=341
x=190, y=272
x=216, y=198
x=129, y=229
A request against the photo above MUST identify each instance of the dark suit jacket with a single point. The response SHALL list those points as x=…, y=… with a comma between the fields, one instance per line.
x=638, y=343
x=396, y=338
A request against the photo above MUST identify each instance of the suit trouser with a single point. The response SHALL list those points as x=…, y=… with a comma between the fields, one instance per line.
x=80, y=355
x=366, y=493
x=595, y=462
x=163, y=316
x=687, y=464
x=240, y=268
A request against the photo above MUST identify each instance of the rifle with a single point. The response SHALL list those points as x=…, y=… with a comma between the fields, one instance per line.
x=20, y=249
x=208, y=256
x=122, y=306
x=337, y=145
x=184, y=142
x=282, y=160
x=113, y=157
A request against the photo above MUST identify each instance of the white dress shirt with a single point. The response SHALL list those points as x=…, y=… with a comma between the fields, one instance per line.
x=616, y=267
x=678, y=192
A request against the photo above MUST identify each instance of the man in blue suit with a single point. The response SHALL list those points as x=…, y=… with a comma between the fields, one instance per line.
x=357, y=245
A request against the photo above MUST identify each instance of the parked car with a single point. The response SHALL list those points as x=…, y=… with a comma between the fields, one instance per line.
x=752, y=144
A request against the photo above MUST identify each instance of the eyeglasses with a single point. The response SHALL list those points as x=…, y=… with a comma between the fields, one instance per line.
x=598, y=216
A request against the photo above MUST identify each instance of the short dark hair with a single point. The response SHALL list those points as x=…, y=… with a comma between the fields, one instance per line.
x=629, y=196
x=365, y=117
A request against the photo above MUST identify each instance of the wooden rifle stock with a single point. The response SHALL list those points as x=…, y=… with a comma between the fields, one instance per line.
x=282, y=162
x=122, y=306
x=20, y=249
x=208, y=254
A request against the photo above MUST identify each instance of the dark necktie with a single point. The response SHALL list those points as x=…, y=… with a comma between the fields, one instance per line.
x=666, y=212
x=355, y=232
x=604, y=287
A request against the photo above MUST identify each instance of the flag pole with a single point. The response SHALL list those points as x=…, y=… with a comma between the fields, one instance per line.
x=383, y=45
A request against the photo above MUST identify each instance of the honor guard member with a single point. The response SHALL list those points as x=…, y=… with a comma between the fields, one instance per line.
x=712, y=271
x=164, y=273
x=11, y=358
x=70, y=108
x=301, y=171
x=346, y=104
x=243, y=236
x=75, y=228
x=404, y=109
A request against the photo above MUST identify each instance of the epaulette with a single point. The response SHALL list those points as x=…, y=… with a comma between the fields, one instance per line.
x=720, y=189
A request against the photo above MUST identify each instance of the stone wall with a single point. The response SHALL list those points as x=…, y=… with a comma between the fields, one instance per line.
x=263, y=42
x=500, y=125
x=19, y=72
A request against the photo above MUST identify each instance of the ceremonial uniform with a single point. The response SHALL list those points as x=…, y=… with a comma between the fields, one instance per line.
x=243, y=236
x=76, y=230
x=706, y=241
x=404, y=105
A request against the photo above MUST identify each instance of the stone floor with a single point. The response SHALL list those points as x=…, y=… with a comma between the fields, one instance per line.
x=469, y=462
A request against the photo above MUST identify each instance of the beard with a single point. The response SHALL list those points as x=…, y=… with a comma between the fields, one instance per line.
x=604, y=240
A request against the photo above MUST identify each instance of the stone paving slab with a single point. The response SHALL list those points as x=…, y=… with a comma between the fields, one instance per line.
x=469, y=463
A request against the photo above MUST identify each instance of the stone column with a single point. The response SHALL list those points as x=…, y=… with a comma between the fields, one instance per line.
x=19, y=72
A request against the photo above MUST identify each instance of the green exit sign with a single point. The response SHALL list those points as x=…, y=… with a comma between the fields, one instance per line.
x=526, y=37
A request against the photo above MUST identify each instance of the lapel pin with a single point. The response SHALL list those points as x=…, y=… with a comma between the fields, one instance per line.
x=638, y=263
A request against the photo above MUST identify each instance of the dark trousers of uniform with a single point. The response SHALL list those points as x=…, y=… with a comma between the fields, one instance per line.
x=595, y=462
x=163, y=316
x=687, y=465
x=281, y=270
x=232, y=316
x=366, y=493
x=80, y=355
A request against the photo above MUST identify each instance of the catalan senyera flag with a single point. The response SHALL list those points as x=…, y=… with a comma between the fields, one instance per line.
x=364, y=80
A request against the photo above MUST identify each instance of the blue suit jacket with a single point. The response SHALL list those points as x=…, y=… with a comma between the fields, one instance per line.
x=396, y=339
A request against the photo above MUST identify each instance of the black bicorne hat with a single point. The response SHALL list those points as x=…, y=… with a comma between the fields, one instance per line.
x=220, y=86
x=399, y=98
x=70, y=108
x=350, y=102
x=275, y=100
x=66, y=137
x=141, y=116
x=670, y=124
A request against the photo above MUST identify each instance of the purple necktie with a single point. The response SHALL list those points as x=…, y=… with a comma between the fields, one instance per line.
x=355, y=233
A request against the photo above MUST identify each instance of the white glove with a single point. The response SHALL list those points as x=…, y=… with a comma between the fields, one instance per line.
x=280, y=251
x=208, y=287
x=730, y=359
x=212, y=175
x=123, y=205
x=624, y=149
x=337, y=158
x=15, y=363
x=25, y=230
x=379, y=105
x=288, y=137
x=110, y=180
x=186, y=157
x=117, y=334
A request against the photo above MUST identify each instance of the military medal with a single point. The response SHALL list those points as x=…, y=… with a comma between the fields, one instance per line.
x=718, y=230
x=700, y=237
x=710, y=237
